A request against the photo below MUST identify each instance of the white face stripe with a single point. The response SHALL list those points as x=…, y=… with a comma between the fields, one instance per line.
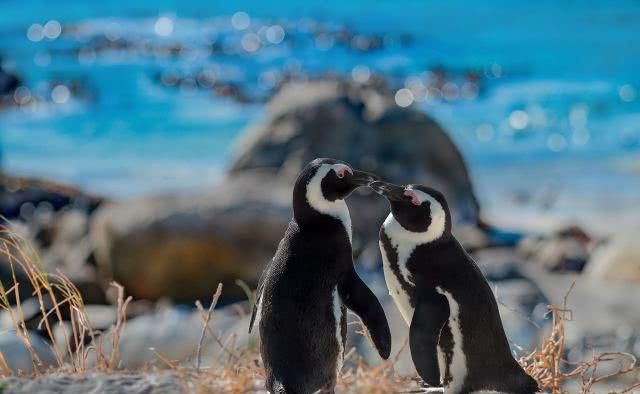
x=401, y=235
x=458, y=367
x=438, y=216
x=436, y=228
x=316, y=200
x=405, y=241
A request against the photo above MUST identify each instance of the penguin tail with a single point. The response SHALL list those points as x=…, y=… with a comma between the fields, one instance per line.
x=533, y=386
x=530, y=385
x=278, y=388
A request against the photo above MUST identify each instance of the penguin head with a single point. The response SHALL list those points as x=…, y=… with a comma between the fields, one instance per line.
x=324, y=183
x=417, y=208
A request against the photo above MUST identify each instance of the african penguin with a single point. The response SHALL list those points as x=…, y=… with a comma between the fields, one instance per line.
x=304, y=292
x=456, y=335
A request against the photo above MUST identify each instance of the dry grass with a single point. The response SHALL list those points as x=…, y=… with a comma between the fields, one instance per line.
x=552, y=371
x=57, y=298
x=237, y=371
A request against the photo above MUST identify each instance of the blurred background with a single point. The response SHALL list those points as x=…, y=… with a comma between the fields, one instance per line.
x=155, y=143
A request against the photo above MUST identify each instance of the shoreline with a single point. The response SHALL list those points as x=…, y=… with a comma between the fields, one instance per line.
x=512, y=208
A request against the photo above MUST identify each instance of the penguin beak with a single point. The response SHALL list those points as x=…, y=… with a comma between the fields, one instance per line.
x=361, y=178
x=389, y=190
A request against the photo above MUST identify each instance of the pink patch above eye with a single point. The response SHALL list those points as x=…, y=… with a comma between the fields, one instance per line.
x=341, y=171
x=414, y=197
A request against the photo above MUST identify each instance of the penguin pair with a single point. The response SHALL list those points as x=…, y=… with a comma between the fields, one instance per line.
x=304, y=292
x=456, y=336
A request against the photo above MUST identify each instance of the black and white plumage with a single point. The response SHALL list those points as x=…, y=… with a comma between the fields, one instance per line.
x=304, y=292
x=456, y=335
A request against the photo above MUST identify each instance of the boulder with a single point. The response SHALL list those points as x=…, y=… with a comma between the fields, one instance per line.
x=53, y=219
x=8, y=82
x=604, y=314
x=564, y=250
x=173, y=332
x=21, y=197
x=182, y=247
x=65, y=246
x=617, y=259
x=363, y=126
x=19, y=357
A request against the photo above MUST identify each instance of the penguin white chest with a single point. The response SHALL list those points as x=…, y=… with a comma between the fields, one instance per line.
x=458, y=362
x=337, y=314
x=398, y=294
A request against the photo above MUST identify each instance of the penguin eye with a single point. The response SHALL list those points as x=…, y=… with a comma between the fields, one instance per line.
x=415, y=200
x=340, y=172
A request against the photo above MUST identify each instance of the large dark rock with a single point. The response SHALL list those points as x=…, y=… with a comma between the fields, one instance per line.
x=8, y=82
x=23, y=195
x=364, y=127
x=181, y=247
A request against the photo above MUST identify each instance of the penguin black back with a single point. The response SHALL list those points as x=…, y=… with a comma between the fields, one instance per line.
x=456, y=334
x=305, y=290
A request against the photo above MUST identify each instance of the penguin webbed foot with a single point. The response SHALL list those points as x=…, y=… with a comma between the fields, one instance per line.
x=431, y=389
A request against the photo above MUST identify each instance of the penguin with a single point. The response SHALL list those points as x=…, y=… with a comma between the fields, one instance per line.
x=456, y=337
x=305, y=290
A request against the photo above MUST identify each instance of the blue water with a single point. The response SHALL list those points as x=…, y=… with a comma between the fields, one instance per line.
x=558, y=111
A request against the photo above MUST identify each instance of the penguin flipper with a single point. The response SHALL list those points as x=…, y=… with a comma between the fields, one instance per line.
x=360, y=299
x=261, y=281
x=430, y=315
x=253, y=314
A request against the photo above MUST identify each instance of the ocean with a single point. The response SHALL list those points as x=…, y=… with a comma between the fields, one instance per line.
x=550, y=128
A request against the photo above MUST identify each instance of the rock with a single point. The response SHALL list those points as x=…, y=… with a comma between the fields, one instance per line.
x=53, y=220
x=472, y=237
x=162, y=246
x=182, y=247
x=564, y=250
x=519, y=303
x=499, y=264
x=18, y=356
x=617, y=260
x=364, y=127
x=8, y=82
x=604, y=314
x=21, y=197
x=60, y=257
x=71, y=226
x=68, y=248
x=95, y=382
x=173, y=333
